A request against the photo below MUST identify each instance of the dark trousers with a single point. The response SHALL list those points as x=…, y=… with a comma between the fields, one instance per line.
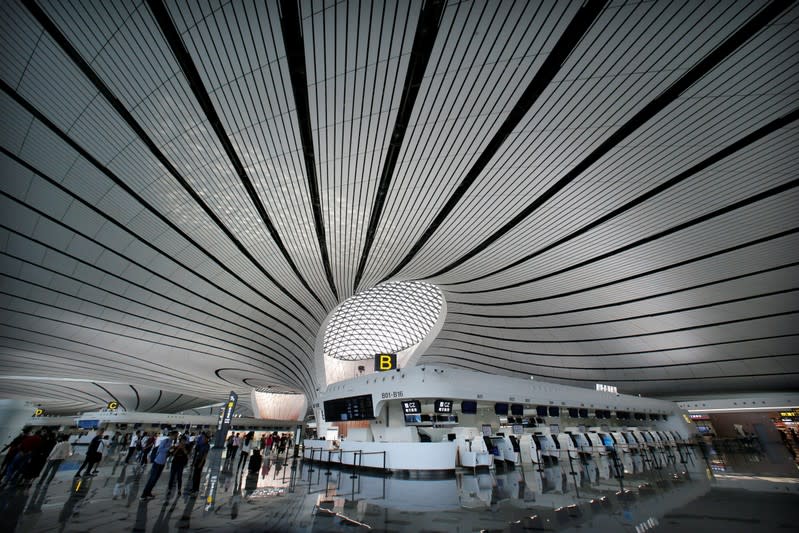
x=176, y=476
x=89, y=463
x=52, y=468
x=197, y=475
x=155, y=473
x=131, y=451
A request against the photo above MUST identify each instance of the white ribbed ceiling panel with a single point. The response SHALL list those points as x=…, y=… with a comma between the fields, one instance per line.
x=602, y=191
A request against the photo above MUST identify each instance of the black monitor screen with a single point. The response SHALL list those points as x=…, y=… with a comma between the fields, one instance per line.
x=442, y=406
x=469, y=407
x=573, y=412
x=583, y=413
x=411, y=407
x=501, y=408
x=622, y=415
x=541, y=410
x=554, y=410
x=516, y=409
x=352, y=408
x=654, y=416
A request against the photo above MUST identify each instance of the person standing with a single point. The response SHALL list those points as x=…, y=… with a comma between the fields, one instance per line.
x=91, y=453
x=61, y=451
x=157, y=467
x=246, y=448
x=180, y=457
x=201, y=448
x=133, y=445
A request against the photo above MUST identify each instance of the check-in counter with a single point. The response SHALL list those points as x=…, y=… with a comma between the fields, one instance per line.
x=400, y=455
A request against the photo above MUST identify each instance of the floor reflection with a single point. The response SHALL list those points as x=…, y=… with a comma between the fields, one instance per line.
x=295, y=496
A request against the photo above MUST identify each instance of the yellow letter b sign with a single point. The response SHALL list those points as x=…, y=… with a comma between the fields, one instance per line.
x=385, y=362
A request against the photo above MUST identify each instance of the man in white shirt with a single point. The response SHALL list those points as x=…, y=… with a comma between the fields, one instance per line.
x=134, y=444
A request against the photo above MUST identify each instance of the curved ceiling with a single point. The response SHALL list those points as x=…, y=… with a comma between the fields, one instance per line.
x=603, y=192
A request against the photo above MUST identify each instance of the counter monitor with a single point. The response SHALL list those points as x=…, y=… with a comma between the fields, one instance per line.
x=442, y=406
x=411, y=407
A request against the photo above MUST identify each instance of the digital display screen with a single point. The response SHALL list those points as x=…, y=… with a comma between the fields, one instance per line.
x=413, y=419
x=583, y=413
x=607, y=440
x=469, y=407
x=654, y=416
x=541, y=410
x=554, y=411
x=411, y=407
x=573, y=412
x=352, y=408
x=442, y=406
x=516, y=409
x=501, y=408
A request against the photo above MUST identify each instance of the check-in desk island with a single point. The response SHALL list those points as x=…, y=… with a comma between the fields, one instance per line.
x=438, y=419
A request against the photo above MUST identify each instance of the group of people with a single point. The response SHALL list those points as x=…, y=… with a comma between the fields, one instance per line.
x=39, y=454
x=33, y=455
x=247, y=447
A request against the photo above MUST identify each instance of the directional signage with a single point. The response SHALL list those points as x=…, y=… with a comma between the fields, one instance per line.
x=224, y=420
x=385, y=362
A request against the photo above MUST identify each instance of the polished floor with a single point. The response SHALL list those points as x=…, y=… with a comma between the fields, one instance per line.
x=289, y=496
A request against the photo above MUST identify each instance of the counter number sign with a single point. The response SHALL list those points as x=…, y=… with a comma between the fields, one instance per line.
x=385, y=362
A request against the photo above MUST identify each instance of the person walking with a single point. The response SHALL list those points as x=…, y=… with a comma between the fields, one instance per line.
x=91, y=453
x=157, y=467
x=60, y=452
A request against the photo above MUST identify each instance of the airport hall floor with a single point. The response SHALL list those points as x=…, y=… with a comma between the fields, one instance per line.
x=297, y=496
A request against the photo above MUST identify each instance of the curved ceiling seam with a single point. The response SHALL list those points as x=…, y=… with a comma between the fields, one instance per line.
x=656, y=105
x=189, y=69
x=145, y=319
x=117, y=333
x=717, y=157
x=769, y=193
x=623, y=380
x=411, y=159
x=103, y=89
x=423, y=42
x=452, y=311
x=640, y=274
x=569, y=39
x=144, y=241
x=626, y=318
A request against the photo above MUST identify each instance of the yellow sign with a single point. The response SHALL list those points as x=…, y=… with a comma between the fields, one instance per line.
x=788, y=413
x=113, y=405
x=385, y=362
x=38, y=412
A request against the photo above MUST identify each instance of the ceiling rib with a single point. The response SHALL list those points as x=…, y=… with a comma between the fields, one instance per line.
x=700, y=69
x=87, y=70
x=738, y=145
x=422, y=48
x=574, y=32
x=291, y=24
x=161, y=15
x=647, y=273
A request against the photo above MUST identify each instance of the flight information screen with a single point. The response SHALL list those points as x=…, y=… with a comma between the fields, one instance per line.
x=352, y=408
